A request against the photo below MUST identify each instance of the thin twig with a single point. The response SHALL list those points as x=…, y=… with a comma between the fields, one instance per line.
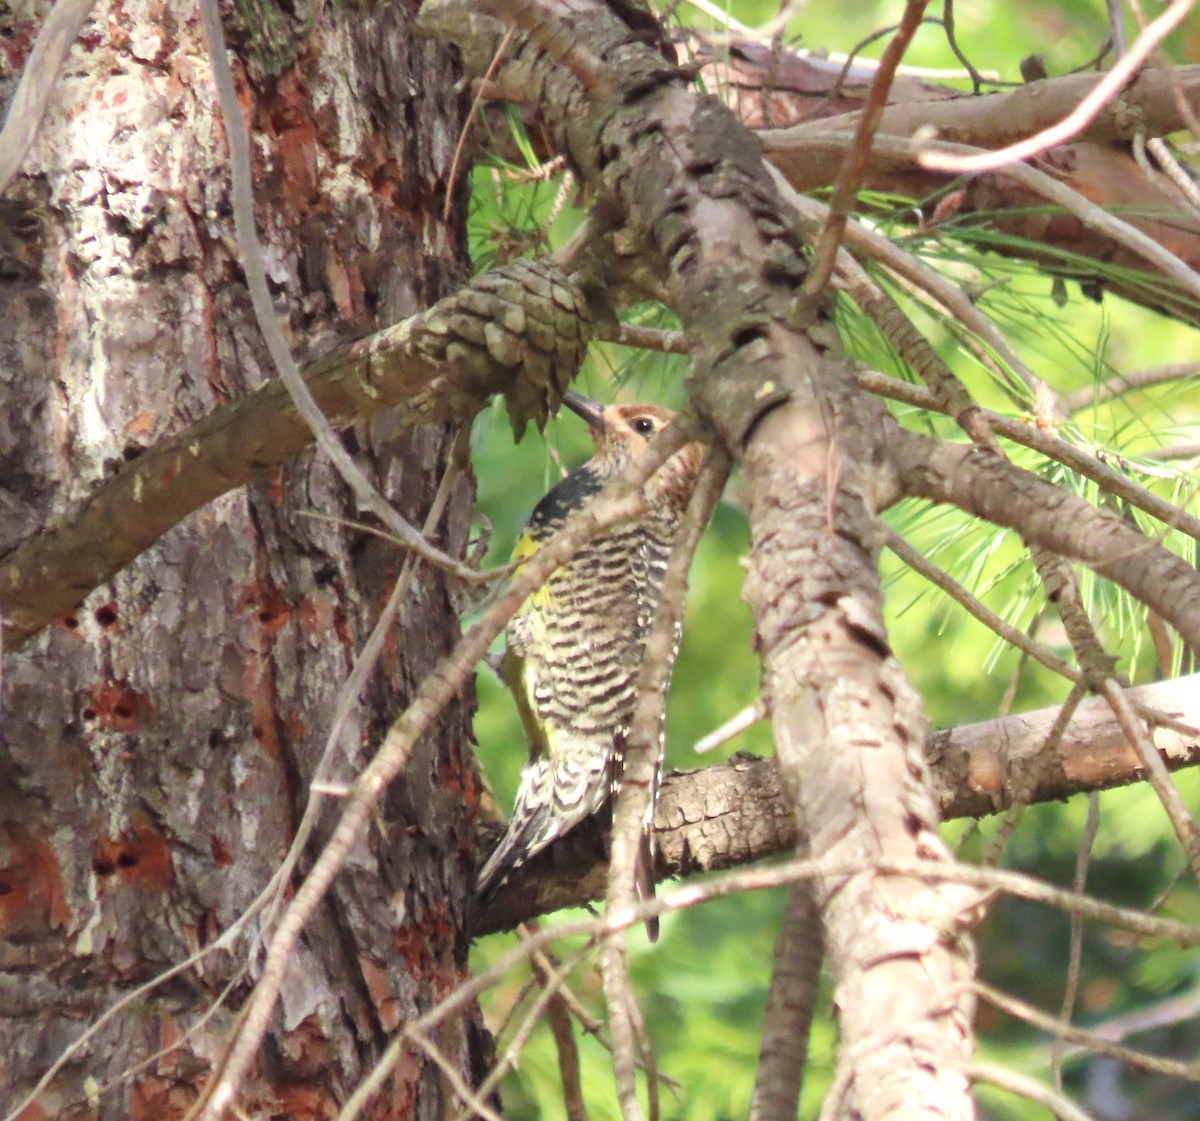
x=1174, y=171
x=558, y=1015
x=939, y=578
x=734, y=726
x=1042, y=763
x=254, y=268
x=650, y=338
x=1053, y=447
x=619, y=500
x=1093, y=1041
x=977, y=79
x=350, y=695
x=550, y=984
x=857, y=158
x=761, y=879
x=1091, y=215
x=1075, y=956
x=1156, y=771
x=791, y=1002
x=1124, y=69
x=1120, y=384
x=1116, y=26
x=472, y=114
x=985, y=341
x=1018, y=1084
x=478, y=1107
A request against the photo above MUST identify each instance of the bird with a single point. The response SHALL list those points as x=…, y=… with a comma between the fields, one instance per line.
x=574, y=649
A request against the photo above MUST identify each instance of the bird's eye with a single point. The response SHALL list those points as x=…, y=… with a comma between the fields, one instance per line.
x=642, y=425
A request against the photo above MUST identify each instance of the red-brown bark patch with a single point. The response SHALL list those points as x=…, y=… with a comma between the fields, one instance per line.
x=32, y=898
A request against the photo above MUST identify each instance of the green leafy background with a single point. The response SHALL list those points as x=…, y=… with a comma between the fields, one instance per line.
x=703, y=985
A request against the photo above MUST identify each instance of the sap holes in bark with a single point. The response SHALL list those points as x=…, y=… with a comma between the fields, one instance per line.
x=105, y=616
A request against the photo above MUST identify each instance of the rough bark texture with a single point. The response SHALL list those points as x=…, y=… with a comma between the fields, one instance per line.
x=157, y=743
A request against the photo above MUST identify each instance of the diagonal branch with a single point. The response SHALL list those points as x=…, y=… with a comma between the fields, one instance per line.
x=983, y=483
x=640, y=765
x=519, y=330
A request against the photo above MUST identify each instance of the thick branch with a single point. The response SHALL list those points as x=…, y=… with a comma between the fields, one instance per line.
x=520, y=330
x=995, y=120
x=723, y=816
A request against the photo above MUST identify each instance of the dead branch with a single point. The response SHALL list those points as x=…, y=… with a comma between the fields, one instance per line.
x=28, y=104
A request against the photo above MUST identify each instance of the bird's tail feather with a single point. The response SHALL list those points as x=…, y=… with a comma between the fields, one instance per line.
x=554, y=796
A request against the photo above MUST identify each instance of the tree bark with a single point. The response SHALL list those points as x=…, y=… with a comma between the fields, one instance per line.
x=158, y=743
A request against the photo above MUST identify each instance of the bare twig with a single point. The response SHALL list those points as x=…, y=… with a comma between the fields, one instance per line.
x=350, y=695
x=1053, y=447
x=256, y=281
x=474, y=1100
x=468, y=124
x=650, y=338
x=1162, y=1014
x=1075, y=957
x=758, y=879
x=1095, y=1041
x=550, y=979
x=1043, y=762
x=1156, y=771
x=639, y=767
x=1174, y=171
x=1116, y=26
x=977, y=79
x=982, y=483
x=734, y=726
x=981, y=335
x=1120, y=384
x=619, y=500
x=558, y=1013
x=1026, y=1088
x=1091, y=215
x=1122, y=71
x=854, y=164
x=943, y=580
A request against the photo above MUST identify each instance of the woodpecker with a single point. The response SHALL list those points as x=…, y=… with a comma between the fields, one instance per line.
x=574, y=650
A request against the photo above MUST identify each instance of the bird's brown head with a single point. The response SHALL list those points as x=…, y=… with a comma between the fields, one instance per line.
x=622, y=432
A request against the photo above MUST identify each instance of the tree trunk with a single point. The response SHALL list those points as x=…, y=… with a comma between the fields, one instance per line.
x=158, y=743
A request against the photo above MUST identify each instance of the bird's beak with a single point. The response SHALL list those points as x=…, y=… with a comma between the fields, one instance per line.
x=591, y=411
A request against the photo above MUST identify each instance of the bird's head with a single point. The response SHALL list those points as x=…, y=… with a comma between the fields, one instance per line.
x=622, y=432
